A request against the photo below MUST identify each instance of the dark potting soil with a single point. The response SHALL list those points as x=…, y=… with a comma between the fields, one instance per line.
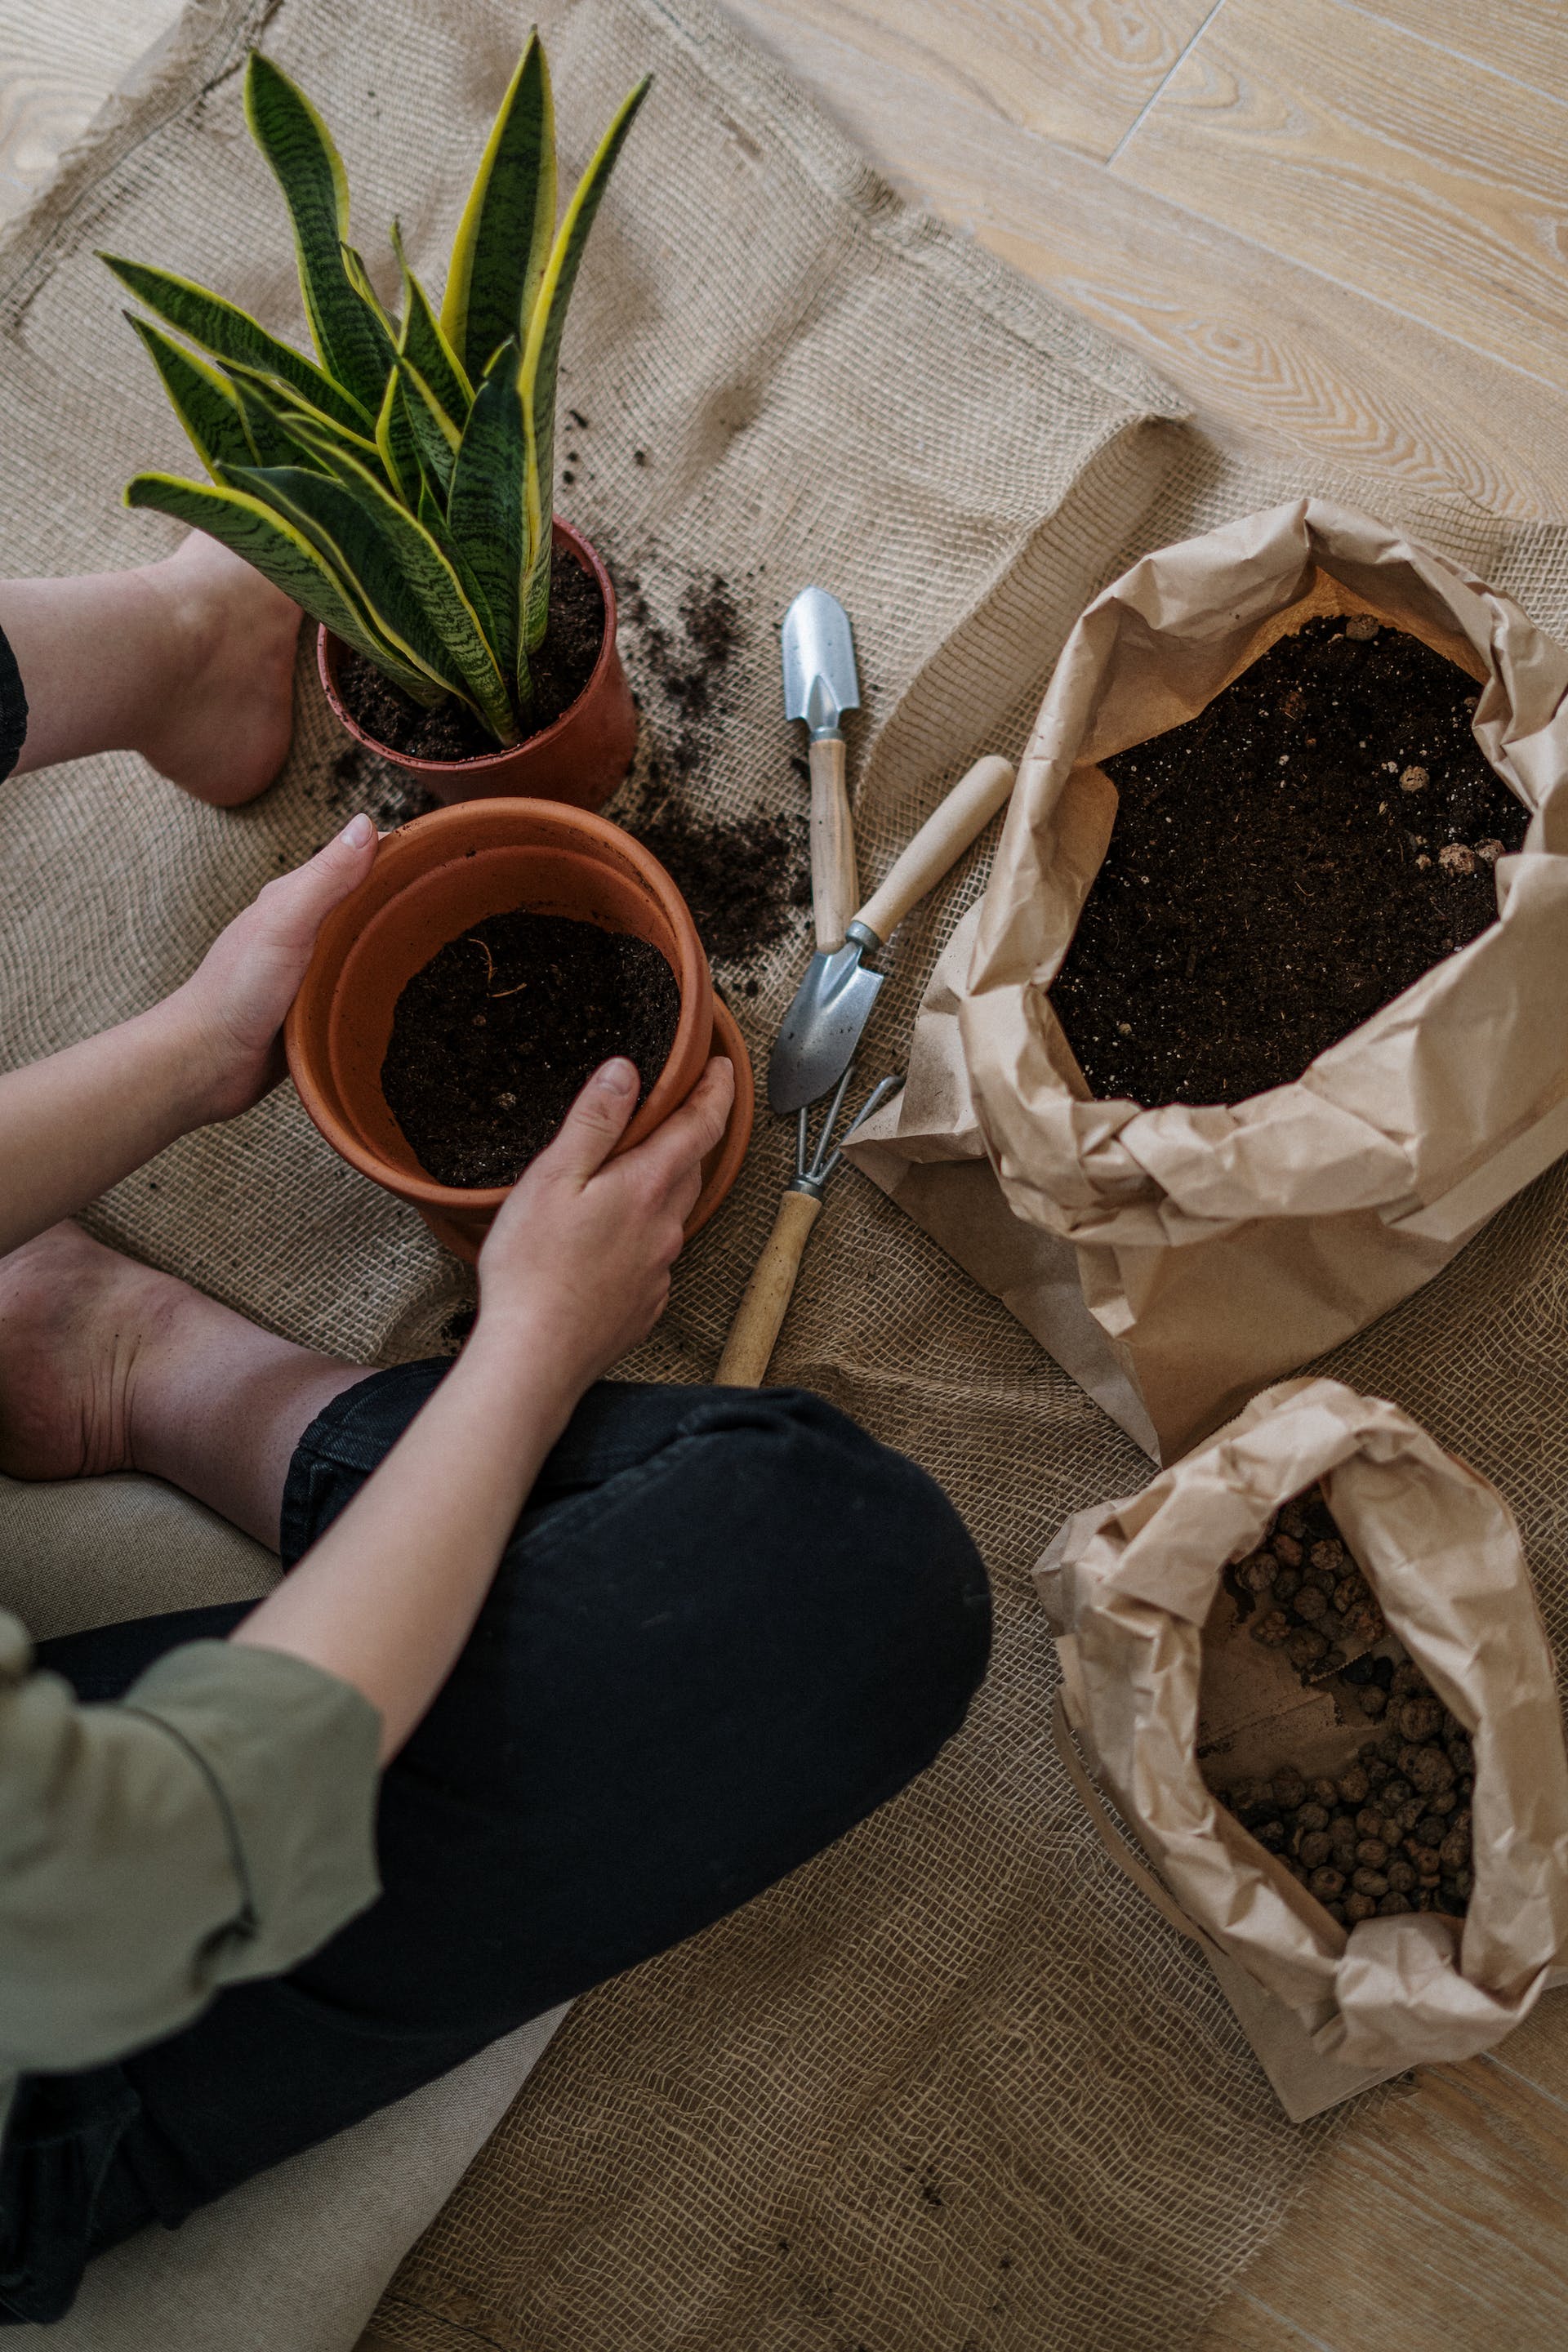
x=1281, y=865
x=560, y=670
x=741, y=876
x=493, y=1038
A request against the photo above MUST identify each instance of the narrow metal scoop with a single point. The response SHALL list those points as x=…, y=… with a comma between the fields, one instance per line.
x=820, y=684
x=833, y=1003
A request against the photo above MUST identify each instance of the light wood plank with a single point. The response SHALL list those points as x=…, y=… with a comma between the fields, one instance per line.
x=1441, y=2219
x=1526, y=38
x=1080, y=71
x=1261, y=348
x=1384, y=163
x=56, y=68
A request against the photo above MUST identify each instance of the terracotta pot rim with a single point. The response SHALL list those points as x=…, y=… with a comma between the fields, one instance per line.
x=482, y=763
x=423, y=1192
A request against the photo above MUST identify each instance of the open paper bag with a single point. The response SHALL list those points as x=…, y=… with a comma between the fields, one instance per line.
x=1129, y=1586
x=1173, y=1259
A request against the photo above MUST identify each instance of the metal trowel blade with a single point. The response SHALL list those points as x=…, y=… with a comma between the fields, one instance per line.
x=819, y=675
x=821, y=1027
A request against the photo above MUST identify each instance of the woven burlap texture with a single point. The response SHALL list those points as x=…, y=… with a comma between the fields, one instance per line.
x=954, y=2082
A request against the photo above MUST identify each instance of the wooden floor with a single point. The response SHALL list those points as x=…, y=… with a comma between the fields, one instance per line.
x=1338, y=228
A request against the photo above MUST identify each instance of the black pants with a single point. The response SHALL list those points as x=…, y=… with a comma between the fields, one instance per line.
x=728, y=1625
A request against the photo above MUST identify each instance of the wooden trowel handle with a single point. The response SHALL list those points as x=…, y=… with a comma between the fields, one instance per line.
x=941, y=842
x=835, y=883
x=768, y=1293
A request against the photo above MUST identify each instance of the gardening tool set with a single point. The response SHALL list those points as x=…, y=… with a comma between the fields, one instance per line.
x=823, y=1028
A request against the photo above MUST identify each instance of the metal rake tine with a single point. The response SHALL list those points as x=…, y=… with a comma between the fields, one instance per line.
x=817, y=1171
x=874, y=1100
x=801, y=1140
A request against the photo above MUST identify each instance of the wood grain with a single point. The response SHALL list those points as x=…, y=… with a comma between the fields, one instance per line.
x=1525, y=38
x=57, y=67
x=1079, y=71
x=1262, y=348
x=1442, y=2220
x=1389, y=164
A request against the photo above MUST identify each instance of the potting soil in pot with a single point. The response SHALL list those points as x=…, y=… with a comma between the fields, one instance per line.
x=1281, y=865
x=492, y=1039
x=1373, y=1815
x=559, y=671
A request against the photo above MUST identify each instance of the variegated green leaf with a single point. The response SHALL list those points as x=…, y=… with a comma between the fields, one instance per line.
x=231, y=334
x=292, y=411
x=266, y=424
x=436, y=437
x=410, y=590
x=486, y=503
x=503, y=237
x=203, y=401
x=542, y=360
x=352, y=341
x=394, y=441
x=283, y=554
x=425, y=347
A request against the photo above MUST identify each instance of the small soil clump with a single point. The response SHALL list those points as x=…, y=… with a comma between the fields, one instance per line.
x=1392, y=1831
x=741, y=877
x=492, y=1040
x=1283, y=865
x=560, y=670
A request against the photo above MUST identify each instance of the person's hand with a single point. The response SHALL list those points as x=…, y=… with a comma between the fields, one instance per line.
x=230, y=1011
x=578, y=1259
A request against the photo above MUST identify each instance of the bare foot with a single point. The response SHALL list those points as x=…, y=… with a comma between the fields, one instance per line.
x=75, y=1321
x=224, y=732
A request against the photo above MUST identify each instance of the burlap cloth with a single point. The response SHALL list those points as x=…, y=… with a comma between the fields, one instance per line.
x=954, y=2082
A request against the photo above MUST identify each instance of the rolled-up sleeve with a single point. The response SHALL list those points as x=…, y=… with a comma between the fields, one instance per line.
x=215, y=1822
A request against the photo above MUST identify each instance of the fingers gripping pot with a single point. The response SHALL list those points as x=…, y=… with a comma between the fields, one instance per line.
x=1129, y=1587
x=1174, y=1258
x=432, y=880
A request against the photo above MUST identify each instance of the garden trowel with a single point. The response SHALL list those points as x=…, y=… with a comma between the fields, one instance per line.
x=833, y=1003
x=820, y=684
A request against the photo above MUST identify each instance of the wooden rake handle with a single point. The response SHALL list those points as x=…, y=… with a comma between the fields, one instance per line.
x=767, y=1295
x=834, y=881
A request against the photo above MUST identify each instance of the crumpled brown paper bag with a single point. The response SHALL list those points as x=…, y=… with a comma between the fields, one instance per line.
x=1173, y=1259
x=1128, y=1587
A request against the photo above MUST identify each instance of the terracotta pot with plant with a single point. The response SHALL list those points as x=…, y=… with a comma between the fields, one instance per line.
x=397, y=487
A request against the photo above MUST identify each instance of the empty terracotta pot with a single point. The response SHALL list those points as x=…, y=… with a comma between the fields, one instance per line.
x=432, y=880
x=580, y=758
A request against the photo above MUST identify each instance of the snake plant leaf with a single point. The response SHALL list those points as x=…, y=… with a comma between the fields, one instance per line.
x=422, y=343
x=282, y=554
x=352, y=341
x=296, y=415
x=396, y=446
x=205, y=403
x=436, y=437
x=265, y=426
x=541, y=359
x=410, y=590
x=231, y=334
x=503, y=238
x=487, y=505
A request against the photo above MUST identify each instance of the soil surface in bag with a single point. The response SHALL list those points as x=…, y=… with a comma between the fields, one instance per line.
x=560, y=670
x=493, y=1038
x=1281, y=865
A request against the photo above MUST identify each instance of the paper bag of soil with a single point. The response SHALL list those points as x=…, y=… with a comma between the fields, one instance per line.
x=1131, y=1587
x=1174, y=1259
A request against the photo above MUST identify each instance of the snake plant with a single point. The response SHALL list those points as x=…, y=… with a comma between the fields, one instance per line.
x=398, y=485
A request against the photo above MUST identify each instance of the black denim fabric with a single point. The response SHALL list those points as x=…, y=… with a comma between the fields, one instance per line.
x=13, y=709
x=729, y=1626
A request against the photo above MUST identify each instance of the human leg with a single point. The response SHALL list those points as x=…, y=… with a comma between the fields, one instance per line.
x=728, y=1627
x=189, y=661
x=109, y=1365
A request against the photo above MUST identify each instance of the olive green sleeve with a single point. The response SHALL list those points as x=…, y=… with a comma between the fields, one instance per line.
x=217, y=1822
